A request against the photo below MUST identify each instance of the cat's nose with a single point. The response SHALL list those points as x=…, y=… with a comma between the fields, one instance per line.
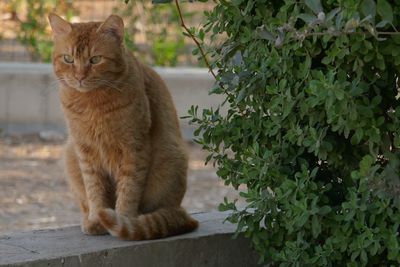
x=79, y=77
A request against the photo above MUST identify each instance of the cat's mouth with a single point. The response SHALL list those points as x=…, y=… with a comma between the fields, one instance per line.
x=74, y=84
x=81, y=86
x=83, y=89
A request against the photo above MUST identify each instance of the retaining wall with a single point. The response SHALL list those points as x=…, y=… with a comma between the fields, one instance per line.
x=210, y=245
x=29, y=95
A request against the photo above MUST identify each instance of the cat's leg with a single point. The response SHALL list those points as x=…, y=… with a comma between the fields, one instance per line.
x=161, y=214
x=160, y=211
x=130, y=180
x=75, y=180
x=88, y=188
x=166, y=181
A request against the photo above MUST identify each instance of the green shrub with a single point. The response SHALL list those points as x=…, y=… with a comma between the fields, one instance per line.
x=312, y=127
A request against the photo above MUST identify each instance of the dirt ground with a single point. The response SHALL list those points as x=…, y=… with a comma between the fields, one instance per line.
x=34, y=193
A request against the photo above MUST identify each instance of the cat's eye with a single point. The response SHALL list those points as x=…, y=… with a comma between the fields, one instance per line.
x=95, y=60
x=68, y=59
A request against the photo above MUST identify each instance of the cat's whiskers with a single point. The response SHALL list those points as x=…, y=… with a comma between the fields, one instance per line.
x=54, y=84
x=121, y=83
x=92, y=82
x=106, y=83
x=112, y=86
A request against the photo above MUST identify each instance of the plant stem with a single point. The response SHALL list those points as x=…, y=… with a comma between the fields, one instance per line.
x=194, y=39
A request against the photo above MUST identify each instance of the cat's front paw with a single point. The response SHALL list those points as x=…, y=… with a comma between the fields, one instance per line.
x=90, y=227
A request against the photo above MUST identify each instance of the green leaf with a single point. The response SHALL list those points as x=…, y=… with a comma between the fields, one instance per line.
x=363, y=256
x=357, y=136
x=302, y=219
x=374, y=249
x=339, y=21
x=351, y=25
x=332, y=13
x=161, y=1
x=315, y=226
x=349, y=215
x=241, y=95
x=265, y=34
x=324, y=210
x=385, y=10
x=307, y=18
x=396, y=141
x=201, y=34
x=287, y=108
x=382, y=24
x=368, y=8
x=366, y=164
x=314, y=5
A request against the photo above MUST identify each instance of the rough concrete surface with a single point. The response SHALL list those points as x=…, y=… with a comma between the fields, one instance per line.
x=210, y=245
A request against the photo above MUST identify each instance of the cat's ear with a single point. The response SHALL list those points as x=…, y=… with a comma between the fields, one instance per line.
x=113, y=26
x=59, y=25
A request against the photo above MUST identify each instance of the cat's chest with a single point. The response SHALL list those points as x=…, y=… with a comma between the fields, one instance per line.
x=104, y=152
x=99, y=124
x=102, y=136
x=97, y=116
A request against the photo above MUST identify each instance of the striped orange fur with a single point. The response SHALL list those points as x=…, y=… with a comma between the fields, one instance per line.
x=125, y=158
x=158, y=224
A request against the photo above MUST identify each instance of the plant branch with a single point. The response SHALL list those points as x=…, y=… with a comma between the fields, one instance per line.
x=194, y=39
x=349, y=33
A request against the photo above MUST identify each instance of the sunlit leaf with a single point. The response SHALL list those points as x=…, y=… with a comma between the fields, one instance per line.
x=314, y=5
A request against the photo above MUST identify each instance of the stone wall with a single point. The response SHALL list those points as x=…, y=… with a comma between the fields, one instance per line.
x=210, y=245
x=29, y=95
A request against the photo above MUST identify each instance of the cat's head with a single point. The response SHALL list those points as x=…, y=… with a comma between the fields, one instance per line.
x=89, y=55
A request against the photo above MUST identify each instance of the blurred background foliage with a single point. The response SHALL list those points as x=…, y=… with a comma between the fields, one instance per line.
x=26, y=21
x=153, y=32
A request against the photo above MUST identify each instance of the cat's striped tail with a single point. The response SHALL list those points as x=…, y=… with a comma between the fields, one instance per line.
x=158, y=224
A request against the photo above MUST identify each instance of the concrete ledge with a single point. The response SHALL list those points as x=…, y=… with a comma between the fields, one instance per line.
x=210, y=245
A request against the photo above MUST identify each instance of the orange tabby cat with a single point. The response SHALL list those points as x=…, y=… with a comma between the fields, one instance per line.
x=125, y=157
